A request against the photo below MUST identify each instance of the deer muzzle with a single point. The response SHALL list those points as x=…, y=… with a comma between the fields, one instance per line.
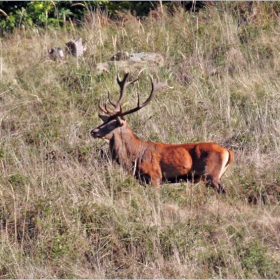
x=94, y=133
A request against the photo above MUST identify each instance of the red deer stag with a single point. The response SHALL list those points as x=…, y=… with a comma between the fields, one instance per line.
x=158, y=162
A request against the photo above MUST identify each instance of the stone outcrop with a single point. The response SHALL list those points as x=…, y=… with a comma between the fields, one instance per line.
x=131, y=62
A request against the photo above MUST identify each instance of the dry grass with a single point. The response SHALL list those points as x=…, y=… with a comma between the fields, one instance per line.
x=66, y=212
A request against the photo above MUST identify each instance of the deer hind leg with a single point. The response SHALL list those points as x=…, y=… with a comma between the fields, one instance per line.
x=215, y=183
x=216, y=171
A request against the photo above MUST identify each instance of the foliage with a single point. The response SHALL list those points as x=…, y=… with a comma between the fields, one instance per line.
x=45, y=13
x=39, y=13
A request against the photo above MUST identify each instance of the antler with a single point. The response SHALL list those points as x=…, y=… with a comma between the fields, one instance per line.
x=155, y=88
x=123, y=84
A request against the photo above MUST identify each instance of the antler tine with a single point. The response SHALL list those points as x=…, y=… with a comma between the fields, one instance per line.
x=110, y=100
x=105, y=109
x=109, y=112
x=123, y=84
x=101, y=107
x=155, y=88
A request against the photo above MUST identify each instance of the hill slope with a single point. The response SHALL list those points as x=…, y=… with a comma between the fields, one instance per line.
x=66, y=212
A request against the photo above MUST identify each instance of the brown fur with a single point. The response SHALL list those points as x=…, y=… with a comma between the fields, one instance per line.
x=157, y=162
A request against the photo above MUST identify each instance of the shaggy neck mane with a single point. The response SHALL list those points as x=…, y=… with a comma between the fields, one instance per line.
x=125, y=146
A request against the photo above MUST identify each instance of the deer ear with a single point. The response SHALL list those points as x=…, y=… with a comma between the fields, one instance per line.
x=120, y=121
x=103, y=118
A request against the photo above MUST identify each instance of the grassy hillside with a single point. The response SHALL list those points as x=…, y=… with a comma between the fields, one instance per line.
x=66, y=212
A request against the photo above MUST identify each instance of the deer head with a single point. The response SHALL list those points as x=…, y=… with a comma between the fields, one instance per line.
x=114, y=119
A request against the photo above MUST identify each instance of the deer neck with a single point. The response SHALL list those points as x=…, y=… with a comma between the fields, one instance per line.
x=125, y=146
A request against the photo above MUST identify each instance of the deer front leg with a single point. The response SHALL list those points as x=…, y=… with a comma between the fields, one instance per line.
x=150, y=173
x=154, y=178
x=156, y=182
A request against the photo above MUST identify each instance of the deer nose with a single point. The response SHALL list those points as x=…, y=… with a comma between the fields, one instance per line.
x=93, y=133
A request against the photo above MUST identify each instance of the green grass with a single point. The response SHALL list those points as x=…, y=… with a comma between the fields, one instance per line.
x=67, y=212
